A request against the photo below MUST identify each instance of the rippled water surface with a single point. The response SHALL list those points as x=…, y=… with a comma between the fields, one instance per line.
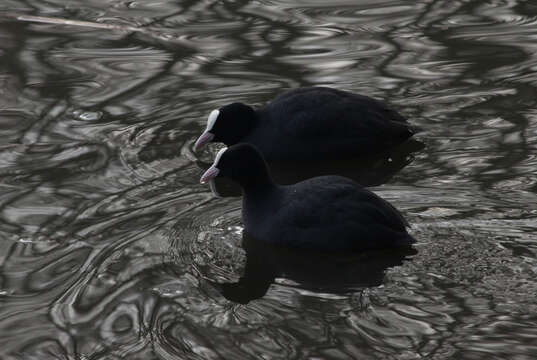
x=110, y=247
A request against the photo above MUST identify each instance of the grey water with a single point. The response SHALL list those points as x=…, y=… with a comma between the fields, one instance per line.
x=110, y=248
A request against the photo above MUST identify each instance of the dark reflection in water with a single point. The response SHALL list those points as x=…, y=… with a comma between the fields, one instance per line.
x=111, y=248
x=333, y=273
x=371, y=171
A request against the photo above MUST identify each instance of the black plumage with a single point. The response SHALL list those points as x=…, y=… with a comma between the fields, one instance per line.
x=322, y=213
x=311, y=123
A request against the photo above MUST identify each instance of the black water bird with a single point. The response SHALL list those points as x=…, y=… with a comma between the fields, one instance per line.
x=311, y=123
x=321, y=213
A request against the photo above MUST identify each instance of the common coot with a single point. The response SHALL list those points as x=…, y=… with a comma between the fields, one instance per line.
x=311, y=123
x=321, y=213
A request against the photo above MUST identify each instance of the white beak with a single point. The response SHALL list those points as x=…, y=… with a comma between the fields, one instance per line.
x=210, y=174
x=205, y=138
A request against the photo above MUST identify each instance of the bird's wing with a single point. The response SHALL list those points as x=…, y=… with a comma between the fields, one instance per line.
x=324, y=112
x=340, y=202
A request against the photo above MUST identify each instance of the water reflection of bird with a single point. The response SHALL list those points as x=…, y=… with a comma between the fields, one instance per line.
x=336, y=273
x=310, y=124
x=367, y=171
x=330, y=213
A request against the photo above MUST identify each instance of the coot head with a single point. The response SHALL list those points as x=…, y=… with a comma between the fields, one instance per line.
x=229, y=125
x=242, y=163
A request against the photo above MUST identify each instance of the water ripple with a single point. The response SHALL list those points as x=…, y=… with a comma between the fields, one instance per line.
x=112, y=249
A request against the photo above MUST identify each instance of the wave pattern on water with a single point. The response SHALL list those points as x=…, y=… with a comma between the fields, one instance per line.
x=111, y=248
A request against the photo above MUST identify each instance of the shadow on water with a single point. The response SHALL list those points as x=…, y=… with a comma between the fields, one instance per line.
x=111, y=249
x=336, y=273
x=371, y=171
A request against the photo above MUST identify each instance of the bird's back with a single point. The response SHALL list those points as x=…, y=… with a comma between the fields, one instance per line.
x=332, y=213
x=320, y=122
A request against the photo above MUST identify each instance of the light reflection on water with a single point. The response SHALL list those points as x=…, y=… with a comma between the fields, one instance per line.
x=112, y=249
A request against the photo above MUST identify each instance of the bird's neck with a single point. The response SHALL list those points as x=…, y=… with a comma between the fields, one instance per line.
x=257, y=183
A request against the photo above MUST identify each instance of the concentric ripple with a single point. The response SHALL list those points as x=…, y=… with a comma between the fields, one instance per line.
x=111, y=248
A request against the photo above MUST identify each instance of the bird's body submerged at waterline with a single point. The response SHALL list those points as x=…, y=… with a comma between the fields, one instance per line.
x=310, y=123
x=326, y=212
x=323, y=213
